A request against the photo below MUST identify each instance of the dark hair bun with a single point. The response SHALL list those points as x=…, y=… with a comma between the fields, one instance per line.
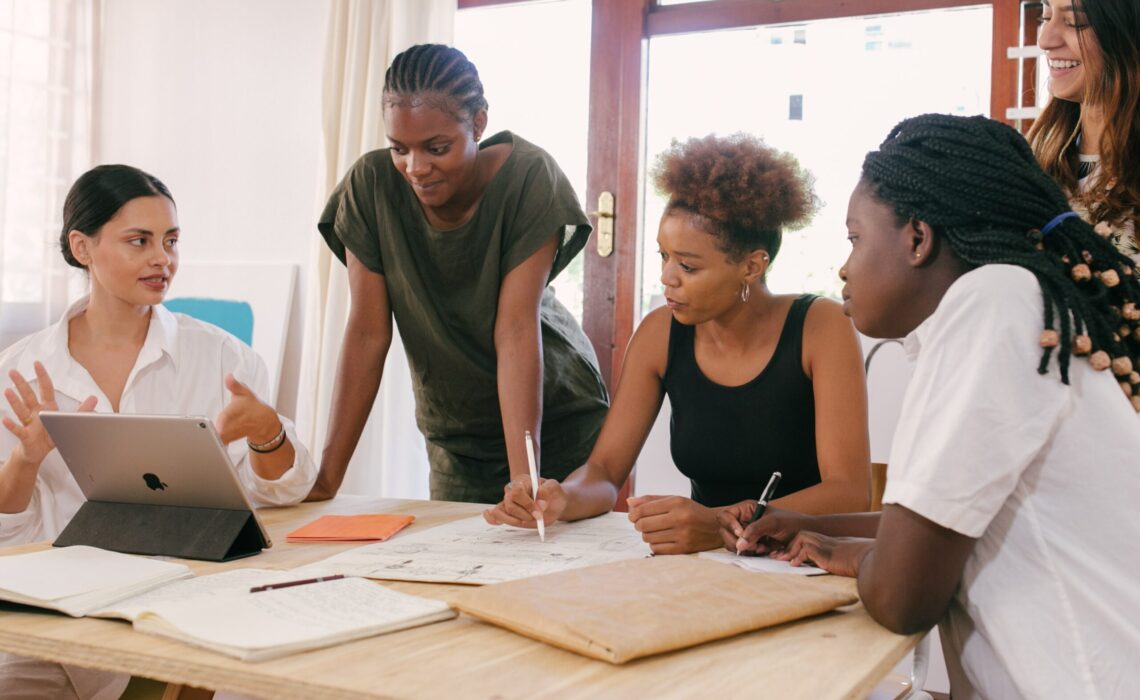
x=97, y=196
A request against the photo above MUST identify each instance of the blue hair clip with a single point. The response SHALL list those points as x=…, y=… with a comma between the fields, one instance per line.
x=1056, y=221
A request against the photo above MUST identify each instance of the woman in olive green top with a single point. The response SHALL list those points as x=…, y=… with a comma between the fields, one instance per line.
x=457, y=240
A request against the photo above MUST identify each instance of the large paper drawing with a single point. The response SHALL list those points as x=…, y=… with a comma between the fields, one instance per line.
x=471, y=551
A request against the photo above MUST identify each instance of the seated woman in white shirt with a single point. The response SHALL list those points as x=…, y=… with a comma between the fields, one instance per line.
x=1009, y=508
x=120, y=350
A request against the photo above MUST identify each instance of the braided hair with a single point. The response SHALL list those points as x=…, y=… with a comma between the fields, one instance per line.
x=437, y=74
x=978, y=185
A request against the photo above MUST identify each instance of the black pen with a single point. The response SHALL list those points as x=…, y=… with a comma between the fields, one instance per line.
x=767, y=494
x=287, y=584
x=763, y=502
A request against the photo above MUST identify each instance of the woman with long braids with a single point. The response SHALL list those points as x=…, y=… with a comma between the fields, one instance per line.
x=456, y=239
x=1088, y=135
x=1009, y=512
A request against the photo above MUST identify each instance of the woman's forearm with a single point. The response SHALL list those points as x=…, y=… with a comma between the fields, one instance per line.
x=518, y=349
x=358, y=374
x=846, y=524
x=17, y=482
x=273, y=465
x=828, y=497
x=589, y=492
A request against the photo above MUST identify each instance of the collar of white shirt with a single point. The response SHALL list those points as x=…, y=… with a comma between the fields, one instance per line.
x=70, y=378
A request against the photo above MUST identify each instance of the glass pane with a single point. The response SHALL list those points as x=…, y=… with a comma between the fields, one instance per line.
x=827, y=91
x=534, y=60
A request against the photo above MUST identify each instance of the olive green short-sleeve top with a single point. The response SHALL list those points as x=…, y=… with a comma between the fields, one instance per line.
x=443, y=287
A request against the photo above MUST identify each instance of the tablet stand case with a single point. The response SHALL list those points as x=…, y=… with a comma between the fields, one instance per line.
x=212, y=534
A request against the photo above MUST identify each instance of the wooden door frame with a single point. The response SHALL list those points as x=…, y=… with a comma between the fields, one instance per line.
x=619, y=30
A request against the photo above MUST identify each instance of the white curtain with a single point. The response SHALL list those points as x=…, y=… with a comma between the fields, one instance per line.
x=363, y=38
x=46, y=53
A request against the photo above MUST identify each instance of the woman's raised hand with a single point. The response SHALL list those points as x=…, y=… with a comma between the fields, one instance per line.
x=246, y=416
x=35, y=443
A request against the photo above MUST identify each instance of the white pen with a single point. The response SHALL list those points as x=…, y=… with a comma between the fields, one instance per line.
x=534, y=485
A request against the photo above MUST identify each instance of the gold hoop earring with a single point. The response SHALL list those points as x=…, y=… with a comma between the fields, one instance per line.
x=745, y=292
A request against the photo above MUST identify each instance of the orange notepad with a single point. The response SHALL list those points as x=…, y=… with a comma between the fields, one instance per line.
x=350, y=528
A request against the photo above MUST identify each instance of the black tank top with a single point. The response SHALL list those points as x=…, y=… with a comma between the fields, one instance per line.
x=729, y=440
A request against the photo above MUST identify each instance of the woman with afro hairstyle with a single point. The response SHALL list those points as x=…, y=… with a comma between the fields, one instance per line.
x=1009, y=513
x=1088, y=136
x=757, y=382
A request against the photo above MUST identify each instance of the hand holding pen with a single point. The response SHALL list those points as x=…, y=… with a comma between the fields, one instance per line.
x=762, y=502
x=533, y=466
x=519, y=507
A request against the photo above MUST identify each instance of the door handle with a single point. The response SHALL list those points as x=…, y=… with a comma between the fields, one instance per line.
x=605, y=214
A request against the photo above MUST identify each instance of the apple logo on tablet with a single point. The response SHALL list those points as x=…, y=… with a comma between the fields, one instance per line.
x=153, y=482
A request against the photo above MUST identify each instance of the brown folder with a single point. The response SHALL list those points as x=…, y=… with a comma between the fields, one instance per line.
x=629, y=609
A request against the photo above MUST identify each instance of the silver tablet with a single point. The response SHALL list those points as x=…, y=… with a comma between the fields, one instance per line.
x=149, y=460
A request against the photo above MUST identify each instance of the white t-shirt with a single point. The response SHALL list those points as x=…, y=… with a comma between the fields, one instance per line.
x=1045, y=476
x=180, y=370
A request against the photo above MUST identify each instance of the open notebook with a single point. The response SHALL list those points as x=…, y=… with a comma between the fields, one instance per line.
x=78, y=580
x=273, y=623
x=219, y=611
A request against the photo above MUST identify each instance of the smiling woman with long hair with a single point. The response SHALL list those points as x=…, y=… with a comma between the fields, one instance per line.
x=1088, y=135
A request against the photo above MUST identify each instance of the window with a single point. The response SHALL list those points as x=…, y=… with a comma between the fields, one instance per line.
x=537, y=82
x=45, y=48
x=796, y=108
x=855, y=93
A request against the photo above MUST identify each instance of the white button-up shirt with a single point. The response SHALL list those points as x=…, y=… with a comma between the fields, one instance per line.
x=180, y=370
x=1045, y=475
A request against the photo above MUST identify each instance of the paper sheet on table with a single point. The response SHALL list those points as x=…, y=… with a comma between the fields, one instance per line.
x=762, y=564
x=625, y=610
x=471, y=551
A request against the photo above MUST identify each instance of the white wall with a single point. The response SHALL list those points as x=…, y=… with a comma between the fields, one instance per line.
x=221, y=101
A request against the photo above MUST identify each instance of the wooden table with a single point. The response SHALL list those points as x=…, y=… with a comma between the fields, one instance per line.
x=836, y=655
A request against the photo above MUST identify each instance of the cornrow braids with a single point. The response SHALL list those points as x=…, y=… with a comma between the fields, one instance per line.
x=977, y=183
x=438, y=74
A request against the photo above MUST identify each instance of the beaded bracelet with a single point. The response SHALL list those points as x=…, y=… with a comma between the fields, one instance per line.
x=270, y=445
